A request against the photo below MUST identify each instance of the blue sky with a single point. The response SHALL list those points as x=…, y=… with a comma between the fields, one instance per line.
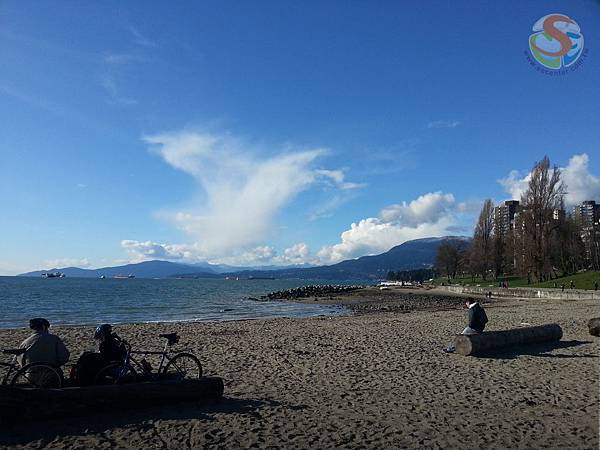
x=275, y=132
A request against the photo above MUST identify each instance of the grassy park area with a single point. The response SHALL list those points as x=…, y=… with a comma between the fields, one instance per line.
x=583, y=280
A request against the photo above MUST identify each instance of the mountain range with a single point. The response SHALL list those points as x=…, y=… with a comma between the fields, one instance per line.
x=415, y=254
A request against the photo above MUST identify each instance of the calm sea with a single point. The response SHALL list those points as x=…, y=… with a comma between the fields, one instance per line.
x=86, y=301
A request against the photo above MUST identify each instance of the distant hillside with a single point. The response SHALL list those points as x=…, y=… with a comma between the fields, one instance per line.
x=146, y=269
x=414, y=254
x=409, y=255
x=151, y=269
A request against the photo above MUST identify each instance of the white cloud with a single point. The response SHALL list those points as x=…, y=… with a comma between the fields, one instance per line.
x=514, y=184
x=143, y=251
x=265, y=255
x=443, y=124
x=580, y=183
x=425, y=209
x=66, y=262
x=373, y=235
x=431, y=214
x=260, y=255
x=296, y=254
x=243, y=188
x=337, y=177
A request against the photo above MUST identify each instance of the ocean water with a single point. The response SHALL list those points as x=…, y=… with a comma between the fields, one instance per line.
x=87, y=301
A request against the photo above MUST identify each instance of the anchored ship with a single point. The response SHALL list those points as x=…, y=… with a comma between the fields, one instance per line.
x=53, y=275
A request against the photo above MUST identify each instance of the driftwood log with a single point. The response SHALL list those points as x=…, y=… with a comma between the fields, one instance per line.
x=594, y=326
x=492, y=340
x=24, y=404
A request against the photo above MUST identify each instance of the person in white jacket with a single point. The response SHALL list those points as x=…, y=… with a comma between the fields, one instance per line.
x=42, y=346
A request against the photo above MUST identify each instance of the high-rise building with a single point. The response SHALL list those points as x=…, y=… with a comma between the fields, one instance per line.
x=587, y=214
x=504, y=216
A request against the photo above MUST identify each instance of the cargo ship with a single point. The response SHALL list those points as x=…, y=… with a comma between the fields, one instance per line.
x=53, y=275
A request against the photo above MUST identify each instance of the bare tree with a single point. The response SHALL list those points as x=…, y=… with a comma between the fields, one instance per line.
x=544, y=195
x=450, y=257
x=499, y=254
x=481, y=257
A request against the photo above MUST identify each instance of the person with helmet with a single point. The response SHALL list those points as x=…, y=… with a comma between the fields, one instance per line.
x=42, y=346
x=110, y=349
x=109, y=344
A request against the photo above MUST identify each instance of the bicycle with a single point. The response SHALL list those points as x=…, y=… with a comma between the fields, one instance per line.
x=177, y=366
x=38, y=375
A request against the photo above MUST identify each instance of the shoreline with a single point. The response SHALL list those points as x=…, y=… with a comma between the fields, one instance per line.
x=377, y=379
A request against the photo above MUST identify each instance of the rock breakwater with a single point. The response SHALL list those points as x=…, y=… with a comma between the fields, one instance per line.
x=311, y=291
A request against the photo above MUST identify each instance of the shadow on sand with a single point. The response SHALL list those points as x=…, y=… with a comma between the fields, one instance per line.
x=48, y=430
x=542, y=350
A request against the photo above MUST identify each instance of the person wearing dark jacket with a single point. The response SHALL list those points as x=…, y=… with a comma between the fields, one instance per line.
x=477, y=318
x=110, y=350
x=110, y=345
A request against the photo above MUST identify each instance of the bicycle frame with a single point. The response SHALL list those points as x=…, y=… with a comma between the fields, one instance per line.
x=129, y=360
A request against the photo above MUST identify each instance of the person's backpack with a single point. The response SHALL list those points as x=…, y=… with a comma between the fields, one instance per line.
x=84, y=371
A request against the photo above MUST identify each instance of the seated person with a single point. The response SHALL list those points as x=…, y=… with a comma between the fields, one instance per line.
x=476, y=325
x=111, y=349
x=109, y=344
x=477, y=318
x=42, y=346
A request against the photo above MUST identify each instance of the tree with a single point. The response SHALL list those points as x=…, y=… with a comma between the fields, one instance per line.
x=450, y=257
x=481, y=255
x=543, y=197
x=499, y=254
x=567, y=251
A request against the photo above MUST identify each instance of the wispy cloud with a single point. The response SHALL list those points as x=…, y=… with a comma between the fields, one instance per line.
x=443, y=124
x=31, y=100
x=115, y=63
x=140, y=39
x=327, y=208
x=245, y=186
x=338, y=179
x=393, y=158
x=123, y=58
x=110, y=86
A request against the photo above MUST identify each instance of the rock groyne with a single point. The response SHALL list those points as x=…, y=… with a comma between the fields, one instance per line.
x=318, y=290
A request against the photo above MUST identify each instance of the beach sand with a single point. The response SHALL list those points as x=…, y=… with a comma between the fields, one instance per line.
x=378, y=379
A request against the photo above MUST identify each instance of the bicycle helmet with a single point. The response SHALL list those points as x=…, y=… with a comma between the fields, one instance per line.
x=38, y=323
x=103, y=331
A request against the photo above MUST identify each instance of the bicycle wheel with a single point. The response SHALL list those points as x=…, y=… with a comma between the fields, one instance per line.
x=183, y=366
x=115, y=373
x=38, y=375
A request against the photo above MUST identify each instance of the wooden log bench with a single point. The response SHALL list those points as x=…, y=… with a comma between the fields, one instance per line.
x=18, y=404
x=594, y=326
x=492, y=340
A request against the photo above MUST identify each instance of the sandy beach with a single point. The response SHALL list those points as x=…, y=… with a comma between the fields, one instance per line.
x=376, y=379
